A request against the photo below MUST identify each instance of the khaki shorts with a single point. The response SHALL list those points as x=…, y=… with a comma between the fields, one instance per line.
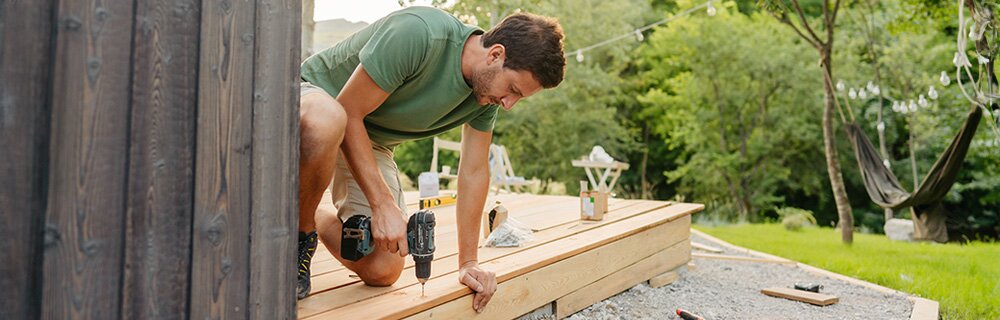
x=347, y=195
x=307, y=88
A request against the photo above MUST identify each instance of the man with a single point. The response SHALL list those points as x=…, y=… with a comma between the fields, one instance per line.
x=414, y=74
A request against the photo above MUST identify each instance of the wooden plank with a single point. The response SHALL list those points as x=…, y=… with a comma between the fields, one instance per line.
x=323, y=261
x=408, y=300
x=699, y=255
x=674, y=256
x=222, y=204
x=445, y=259
x=543, y=216
x=273, y=237
x=705, y=247
x=26, y=30
x=924, y=309
x=663, y=279
x=528, y=291
x=818, y=299
x=736, y=248
x=161, y=161
x=84, y=230
x=357, y=291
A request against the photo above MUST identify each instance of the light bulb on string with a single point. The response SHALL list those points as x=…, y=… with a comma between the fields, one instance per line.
x=895, y=106
x=710, y=10
x=870, y=85
x=876, y=90
x=840, y=85
x=931, y=93
x=960, y=60
x=922, y=102
x=973, y=35
x=852, y=94
x=880, y=127
x=862, y=94
x=579, y=56
x=945, y=80
x=638, y=35
x=913, y=106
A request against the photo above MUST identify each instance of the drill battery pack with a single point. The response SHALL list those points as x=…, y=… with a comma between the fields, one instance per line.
x=356, y=238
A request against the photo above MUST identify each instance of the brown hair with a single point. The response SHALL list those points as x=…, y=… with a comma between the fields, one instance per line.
x=533, y=43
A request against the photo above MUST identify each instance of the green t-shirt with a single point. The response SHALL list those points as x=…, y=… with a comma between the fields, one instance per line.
x=414, y=54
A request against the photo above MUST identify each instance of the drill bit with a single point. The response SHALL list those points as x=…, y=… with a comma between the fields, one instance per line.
x=422, y=281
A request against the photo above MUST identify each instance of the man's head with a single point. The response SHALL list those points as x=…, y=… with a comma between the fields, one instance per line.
x=525, y=54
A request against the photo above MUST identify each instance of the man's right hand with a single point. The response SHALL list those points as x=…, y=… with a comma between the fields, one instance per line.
x=389, y=230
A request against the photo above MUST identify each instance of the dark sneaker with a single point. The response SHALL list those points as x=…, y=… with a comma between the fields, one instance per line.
x=307, y=247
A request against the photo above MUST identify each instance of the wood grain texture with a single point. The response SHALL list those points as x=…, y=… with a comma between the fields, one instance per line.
x=222, y=203
x=446, y=265
x=663, y=279
x=713, y=256
x=274, y=225
x=623, y=279
x=924, y=309
x=25, y=77
x=528, y=291
x=408, y=300
x=84, y=228
x=160, y=194
x=818, y=299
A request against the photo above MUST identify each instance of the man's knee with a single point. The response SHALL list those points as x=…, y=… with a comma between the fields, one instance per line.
x=322, y=122
x=382, y=274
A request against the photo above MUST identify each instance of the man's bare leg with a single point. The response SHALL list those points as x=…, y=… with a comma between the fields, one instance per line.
x=379, y=268
x=322, y=124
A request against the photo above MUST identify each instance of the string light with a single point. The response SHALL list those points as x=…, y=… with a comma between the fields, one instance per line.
x=945, y=80
x=932, y=93
x=637, y=33
x=853, y=94
x=840, y=85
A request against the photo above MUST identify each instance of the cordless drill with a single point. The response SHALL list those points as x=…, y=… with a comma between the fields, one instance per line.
x=420, y=237
x=356, y=241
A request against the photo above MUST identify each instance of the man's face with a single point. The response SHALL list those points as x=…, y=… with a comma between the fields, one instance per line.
x=495, y=84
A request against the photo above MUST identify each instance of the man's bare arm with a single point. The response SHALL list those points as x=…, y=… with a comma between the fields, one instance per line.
x=473, y=184
x=360, y=96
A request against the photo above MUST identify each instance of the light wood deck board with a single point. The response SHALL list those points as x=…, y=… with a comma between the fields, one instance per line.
x=356, y=291
x=562, y=237
x=331, y=274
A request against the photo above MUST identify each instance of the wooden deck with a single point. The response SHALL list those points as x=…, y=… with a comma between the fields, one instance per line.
x=569, y=263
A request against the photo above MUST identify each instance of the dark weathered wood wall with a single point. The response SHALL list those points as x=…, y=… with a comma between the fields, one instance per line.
x=148, y=158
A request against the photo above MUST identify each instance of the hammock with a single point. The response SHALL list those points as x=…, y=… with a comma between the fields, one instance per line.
x=925, y=203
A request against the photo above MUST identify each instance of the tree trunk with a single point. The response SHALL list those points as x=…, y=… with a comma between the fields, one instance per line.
x=829, y=143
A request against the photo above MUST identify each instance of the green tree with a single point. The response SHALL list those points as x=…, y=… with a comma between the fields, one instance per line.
x=792, y=14
x=731, y=93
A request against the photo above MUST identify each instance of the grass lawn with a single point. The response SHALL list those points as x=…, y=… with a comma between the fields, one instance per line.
x=965, y=279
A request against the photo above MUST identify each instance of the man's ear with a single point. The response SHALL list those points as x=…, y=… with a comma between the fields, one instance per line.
x=496, y=53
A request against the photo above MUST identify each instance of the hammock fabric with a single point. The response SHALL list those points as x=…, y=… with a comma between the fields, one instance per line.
x=925, y=204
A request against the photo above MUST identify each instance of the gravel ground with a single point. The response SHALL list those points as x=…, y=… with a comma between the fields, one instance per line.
x=718, y=289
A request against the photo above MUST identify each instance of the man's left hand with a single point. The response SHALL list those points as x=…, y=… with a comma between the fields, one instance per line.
x=484, y=283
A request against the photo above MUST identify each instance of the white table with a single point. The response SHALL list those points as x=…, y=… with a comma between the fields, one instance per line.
x=611, y=170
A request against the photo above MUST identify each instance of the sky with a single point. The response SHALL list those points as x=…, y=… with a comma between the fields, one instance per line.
x=358, y=10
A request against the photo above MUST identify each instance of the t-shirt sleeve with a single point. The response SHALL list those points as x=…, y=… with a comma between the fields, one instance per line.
x=396, y=50
x=484, y=121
